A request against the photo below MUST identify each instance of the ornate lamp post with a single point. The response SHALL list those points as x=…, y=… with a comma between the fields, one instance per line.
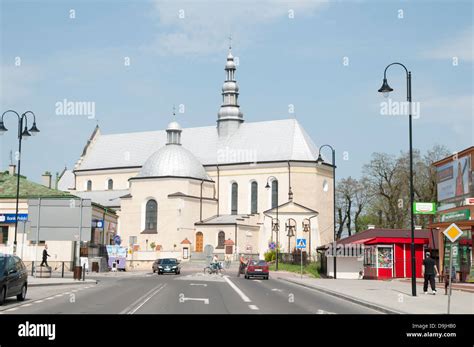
x=320, y=161
x=386, y=89
x=306, y=229
x=275, y=224
x=25, y=133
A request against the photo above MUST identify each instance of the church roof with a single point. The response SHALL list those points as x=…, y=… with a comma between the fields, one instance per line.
x=277, y=140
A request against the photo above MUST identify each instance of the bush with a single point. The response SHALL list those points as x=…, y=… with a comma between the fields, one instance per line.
x=270, y=255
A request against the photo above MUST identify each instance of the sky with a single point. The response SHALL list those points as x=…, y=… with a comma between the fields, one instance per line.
x=323, y=60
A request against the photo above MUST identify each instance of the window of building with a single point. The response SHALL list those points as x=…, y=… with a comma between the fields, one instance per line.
x=89, y=185
x=151, y=215
x=220, y=239
x=234, y=198
x=274, y=193
x=253, y=197
x=110, y=184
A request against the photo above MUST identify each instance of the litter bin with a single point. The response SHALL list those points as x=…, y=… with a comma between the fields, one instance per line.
x=77, y=272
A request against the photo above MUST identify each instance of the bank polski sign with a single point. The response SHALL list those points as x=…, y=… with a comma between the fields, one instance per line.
x=10, y=218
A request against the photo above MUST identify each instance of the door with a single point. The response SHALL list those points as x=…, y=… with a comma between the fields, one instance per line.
x=199, y=241
x=399, y=260
x=12, y=277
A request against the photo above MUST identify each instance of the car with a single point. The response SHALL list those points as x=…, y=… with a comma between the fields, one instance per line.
x=257, y=268
x=155, y=265
x=13, y=278
x=169, y=265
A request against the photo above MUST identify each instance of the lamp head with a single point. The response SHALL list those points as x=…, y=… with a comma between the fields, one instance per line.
x=3, y=130
x=34, y=130
x=320, y=160
x=385, y=89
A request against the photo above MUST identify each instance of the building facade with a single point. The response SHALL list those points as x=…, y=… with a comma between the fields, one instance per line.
x=213, y=187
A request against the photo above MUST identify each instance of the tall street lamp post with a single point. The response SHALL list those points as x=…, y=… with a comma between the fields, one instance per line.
x=275, y=226
x=386, y=89
x=22, y=122
x=320, y=161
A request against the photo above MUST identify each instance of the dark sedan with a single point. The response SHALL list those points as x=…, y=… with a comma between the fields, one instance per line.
x=13, y=278
x=169, y=265
x=257, y=268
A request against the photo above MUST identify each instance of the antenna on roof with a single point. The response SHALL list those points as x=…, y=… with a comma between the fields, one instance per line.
x=230, y=41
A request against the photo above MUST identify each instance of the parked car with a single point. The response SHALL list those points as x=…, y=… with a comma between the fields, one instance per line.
x=13, y=278
x=156, y=263
x=169, y=265
x=257, y=268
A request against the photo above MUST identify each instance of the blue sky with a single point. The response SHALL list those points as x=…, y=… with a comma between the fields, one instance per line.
x=283, y=61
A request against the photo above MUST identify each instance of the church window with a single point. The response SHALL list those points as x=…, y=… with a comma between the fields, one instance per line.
x=151, y=215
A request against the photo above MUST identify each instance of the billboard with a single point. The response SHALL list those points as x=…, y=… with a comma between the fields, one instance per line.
x=453, y=179
x=59, y=219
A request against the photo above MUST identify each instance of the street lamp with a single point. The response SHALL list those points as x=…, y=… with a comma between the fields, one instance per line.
x=386, y=89
x=275, y=225
x=22, y=124
x=320, y=161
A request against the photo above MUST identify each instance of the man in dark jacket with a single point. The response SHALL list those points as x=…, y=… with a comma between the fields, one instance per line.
x=429, y=272
x=45, y=256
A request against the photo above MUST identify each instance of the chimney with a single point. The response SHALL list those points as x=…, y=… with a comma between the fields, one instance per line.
x=371, y=226
x=12, y=169
x=46, y=179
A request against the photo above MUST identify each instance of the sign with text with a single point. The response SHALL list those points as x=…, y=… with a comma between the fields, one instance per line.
x=424, y=208
x=9, y=218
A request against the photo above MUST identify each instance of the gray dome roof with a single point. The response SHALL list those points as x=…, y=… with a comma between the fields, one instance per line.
x=173, y=160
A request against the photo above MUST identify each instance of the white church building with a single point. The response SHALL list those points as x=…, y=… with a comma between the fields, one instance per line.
x=182, y=191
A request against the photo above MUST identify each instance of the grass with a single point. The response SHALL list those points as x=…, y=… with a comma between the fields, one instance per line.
x=311, y=269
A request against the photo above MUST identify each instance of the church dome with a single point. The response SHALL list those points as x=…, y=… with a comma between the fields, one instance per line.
x=173, y=159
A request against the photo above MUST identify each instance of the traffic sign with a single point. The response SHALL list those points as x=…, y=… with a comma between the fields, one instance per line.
x=453, y=232
x=300, y=243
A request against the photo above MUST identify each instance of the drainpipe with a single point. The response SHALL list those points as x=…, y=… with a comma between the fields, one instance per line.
x=235, y=236
x=218, y=185
x=200, y=204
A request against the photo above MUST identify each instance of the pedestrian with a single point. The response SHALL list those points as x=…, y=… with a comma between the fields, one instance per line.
x=446, y=278
x=429, y=271
x=241, y=265
x=45, y=256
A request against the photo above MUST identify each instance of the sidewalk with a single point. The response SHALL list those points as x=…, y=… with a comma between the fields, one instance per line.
x=466, y=287
x=38, y=282
x=386, y=296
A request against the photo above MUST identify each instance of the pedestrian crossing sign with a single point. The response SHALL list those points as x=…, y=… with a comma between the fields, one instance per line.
x=300, y=243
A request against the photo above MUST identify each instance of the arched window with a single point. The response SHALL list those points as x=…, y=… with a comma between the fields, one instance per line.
x=89, y=185
x=274, y=193
x=220, y=239
x=253, y=197
x=110, y=184
x=151, y=215
x=234, y=198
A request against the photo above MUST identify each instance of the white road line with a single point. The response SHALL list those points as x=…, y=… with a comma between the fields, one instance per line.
x=258, y=281
x=244, y=297
x=39, y=301
x=12, y=309
x=253, y=307
x=205, y=300
x=276, y=290
x=154, y=291
x=26, y=305
x=324, y=312
x=198, y=284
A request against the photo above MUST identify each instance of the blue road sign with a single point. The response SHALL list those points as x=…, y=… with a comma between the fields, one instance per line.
x=300, y=243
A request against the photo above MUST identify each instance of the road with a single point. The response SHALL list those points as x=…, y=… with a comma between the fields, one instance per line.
x=188, y=293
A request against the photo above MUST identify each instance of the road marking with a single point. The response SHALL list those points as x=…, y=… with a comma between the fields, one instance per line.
x=198, y=284
x=39, y=301
x=258, y=281
x=253, y=307
x=12, y=309
x=143, y=300
x=276, y=290
x=26, y=305
x=324, y=312
x=205, y=300
x=244, y=297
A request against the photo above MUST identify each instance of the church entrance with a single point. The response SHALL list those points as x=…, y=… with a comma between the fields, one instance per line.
x=199, y=241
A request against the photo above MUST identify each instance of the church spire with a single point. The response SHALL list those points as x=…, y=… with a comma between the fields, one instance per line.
x=229, y=115
x=173, y=131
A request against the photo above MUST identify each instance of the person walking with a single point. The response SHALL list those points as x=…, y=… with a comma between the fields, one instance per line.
x=241, y=265
x=45, y=256
x=429, y=271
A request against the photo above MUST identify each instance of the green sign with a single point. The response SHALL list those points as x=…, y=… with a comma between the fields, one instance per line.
x=456, y=255
x=424, y=208
x=456, y=215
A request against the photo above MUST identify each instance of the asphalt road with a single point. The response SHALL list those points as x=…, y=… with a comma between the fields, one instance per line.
x=188, y=293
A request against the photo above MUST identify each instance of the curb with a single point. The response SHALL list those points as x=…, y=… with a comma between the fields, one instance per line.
x=61, y=283
x=346, y=297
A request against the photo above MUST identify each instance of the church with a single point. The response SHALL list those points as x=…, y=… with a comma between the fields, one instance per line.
x=235, y=187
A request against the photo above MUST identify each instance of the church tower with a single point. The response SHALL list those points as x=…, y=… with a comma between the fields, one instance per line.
x=229, y=116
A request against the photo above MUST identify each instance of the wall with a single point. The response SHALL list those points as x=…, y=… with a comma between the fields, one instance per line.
x=346, y=267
